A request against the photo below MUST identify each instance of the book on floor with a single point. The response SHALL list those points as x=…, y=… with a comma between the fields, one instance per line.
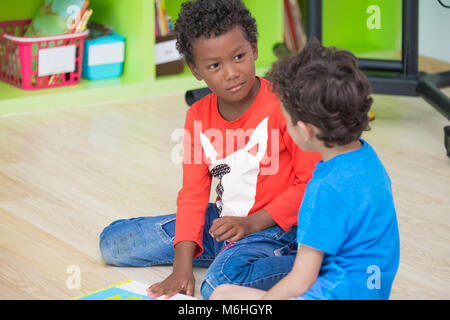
x=128, y=290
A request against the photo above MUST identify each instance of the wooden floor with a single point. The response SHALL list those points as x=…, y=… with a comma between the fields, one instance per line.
x=66, y=174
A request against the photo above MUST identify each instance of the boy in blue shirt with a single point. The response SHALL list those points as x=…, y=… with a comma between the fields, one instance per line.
x=348, y=240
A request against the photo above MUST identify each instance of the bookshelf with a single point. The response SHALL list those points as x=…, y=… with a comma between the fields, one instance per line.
x=133, y=19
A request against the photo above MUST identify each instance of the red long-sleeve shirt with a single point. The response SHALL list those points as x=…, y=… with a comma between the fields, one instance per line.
x=257, y=162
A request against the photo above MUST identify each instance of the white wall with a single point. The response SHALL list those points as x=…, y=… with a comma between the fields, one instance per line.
x=434, y=29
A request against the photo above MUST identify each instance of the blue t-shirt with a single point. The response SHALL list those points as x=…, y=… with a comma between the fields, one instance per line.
x=348, y=213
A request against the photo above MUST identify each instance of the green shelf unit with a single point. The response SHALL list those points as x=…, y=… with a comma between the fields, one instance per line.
x=133, y=19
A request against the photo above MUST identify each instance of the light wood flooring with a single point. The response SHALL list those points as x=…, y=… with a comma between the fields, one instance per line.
x=66, y=174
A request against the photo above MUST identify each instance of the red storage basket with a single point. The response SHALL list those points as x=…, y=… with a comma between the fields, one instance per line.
x=40, y=62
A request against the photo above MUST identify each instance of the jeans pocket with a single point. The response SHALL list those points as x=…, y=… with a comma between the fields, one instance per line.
x=167, y=228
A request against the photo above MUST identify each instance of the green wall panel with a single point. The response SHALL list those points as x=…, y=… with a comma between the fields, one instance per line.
x=345, y=25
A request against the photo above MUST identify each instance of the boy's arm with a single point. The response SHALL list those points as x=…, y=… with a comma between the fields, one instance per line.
x=192, y=202
x=194, y=195
x=301, y=278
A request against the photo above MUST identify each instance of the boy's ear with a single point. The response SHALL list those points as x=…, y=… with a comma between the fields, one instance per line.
x=255, y=50
x=306, y=130
x=195, y=72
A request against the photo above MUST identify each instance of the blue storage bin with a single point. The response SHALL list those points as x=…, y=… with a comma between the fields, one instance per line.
x=104, y=57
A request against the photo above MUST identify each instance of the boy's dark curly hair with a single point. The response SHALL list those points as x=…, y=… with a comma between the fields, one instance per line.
x=324, y=87
x=207, y=18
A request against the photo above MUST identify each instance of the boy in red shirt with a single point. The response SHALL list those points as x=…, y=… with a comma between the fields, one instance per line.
x=238, y=135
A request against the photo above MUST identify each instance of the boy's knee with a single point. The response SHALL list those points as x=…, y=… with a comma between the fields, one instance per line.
x=206, y=289
x=107, y=241
x=138, y=242
x=226, y=274
x=117, y=243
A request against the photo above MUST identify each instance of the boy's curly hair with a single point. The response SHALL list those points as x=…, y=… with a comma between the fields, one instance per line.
x=324, y=87
x=207, y=18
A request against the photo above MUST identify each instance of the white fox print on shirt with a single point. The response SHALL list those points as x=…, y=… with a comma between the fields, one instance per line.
x=238, y=172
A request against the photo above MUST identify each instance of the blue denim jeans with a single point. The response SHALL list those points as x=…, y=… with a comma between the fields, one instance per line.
x=259, y=260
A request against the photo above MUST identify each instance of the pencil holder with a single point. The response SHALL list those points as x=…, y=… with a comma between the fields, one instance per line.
x=39, y=62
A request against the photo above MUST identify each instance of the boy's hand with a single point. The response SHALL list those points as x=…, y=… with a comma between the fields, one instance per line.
x=182, y=278
x=177, y=282
x=231, y=229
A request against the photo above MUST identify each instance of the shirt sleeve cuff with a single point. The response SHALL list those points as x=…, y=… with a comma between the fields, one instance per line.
x=198, y=250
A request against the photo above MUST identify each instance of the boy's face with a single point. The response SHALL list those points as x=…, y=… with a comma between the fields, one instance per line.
x=227, y=64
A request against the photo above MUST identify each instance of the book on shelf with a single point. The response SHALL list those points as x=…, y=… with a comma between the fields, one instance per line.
x=58, y=17
x=294, y=34
x=163, y=22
